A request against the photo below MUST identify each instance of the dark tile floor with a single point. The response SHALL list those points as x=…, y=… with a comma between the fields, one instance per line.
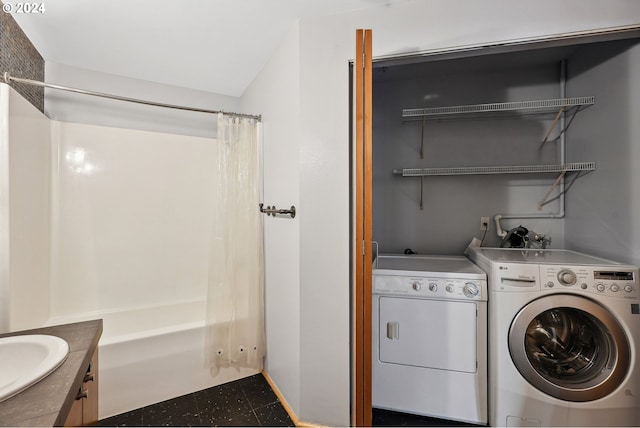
x=245, y=402
x=388, y=418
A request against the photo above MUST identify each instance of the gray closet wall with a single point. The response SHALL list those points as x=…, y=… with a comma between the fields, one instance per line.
x=453, y=205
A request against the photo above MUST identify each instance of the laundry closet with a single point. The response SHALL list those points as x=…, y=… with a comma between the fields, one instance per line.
x=542, y=135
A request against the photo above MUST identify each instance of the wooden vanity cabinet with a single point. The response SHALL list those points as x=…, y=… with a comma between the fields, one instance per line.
x=84, y=411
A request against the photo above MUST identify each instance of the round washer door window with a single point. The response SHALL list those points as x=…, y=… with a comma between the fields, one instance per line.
x=569, y=347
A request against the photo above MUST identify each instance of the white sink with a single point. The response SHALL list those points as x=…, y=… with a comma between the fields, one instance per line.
x=27, y=359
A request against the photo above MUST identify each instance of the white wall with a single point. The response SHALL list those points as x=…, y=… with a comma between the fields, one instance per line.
x=276, y=91
x=131, y=217
x=71, y=107
x=24, y=213
x=325, y=46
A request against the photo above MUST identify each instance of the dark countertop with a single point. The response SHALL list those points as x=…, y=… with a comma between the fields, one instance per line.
x=47, y=403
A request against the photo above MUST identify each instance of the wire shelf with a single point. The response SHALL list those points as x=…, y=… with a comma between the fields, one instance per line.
x=525, y=107
x=484, y=170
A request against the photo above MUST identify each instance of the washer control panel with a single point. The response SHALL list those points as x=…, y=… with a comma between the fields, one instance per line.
x=437, y=288
x=611, y=281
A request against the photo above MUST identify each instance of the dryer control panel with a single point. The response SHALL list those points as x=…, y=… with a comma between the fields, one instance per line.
x=426, y=287
x=611, y=281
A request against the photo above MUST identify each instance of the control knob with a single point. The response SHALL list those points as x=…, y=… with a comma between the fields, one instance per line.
x=470, y=290
x=450, y=288
x=567, y=277
x=433, y=287
x=600, y=287
x=614, y=288
x=628, y=288
x=416, y=286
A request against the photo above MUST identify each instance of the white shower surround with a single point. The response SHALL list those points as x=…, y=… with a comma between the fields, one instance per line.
x=131, y=223
x=115, y=224
x=131, y=217
x=24, y=213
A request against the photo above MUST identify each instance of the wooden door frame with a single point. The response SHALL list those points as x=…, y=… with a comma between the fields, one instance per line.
x=362, y=232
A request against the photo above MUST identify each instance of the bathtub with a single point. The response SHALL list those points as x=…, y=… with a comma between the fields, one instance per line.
x=151, y=354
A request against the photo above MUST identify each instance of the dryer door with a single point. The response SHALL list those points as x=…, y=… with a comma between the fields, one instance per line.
x=436, y=334
x=569, y=347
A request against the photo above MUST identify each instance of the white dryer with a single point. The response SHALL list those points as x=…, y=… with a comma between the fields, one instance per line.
x=429, y=337
x=564, y=337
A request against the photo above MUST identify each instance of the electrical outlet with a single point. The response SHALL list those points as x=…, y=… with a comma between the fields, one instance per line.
x=484, y=223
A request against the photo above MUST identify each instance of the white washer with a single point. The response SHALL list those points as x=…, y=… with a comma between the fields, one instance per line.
x=564, y=333
x=429, y=337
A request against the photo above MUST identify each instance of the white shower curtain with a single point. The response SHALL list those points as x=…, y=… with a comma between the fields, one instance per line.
x=235, y=306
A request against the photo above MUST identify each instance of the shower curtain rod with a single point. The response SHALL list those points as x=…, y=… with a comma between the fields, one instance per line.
x=7, y=78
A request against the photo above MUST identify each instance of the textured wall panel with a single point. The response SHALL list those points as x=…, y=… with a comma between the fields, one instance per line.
x=20, y=58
